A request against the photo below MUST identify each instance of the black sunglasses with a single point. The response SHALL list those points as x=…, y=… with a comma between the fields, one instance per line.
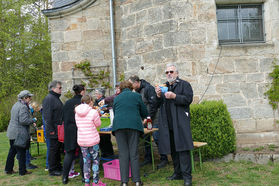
x=171, y=71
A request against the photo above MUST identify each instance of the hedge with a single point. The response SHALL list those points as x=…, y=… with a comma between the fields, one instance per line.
x=211, y=123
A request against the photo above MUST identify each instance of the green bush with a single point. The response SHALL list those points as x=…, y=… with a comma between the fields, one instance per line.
x=211, y=123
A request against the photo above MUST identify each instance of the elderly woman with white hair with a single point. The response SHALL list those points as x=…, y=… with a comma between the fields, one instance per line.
x=18, y=130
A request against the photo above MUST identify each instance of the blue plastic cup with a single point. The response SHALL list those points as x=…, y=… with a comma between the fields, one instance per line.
x=163, y=89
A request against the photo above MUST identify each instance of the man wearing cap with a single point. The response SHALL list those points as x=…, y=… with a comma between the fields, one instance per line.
x=52, y=114
x=19, y=124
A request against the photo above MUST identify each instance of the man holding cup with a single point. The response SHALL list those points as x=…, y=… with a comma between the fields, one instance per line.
x=175, y=136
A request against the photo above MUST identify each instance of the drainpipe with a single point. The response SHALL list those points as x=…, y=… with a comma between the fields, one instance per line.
x=112, y=42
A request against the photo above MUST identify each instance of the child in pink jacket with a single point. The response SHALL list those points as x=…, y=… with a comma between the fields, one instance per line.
x=87, y=120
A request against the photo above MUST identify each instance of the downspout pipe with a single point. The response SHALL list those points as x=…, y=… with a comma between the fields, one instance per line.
x=112, y=35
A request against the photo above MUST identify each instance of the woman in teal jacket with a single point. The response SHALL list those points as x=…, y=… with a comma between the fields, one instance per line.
x=129, y=111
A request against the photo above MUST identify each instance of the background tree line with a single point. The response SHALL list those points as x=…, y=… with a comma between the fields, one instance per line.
x=25, y=52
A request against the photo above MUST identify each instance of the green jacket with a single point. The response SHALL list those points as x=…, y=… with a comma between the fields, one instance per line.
x=129, y=110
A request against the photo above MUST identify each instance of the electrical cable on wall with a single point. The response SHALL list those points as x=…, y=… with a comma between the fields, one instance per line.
x=212, y=75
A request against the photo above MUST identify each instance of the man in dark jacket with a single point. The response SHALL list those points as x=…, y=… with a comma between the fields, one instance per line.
x=175, y=136
x=148, y=95
x=52, y=114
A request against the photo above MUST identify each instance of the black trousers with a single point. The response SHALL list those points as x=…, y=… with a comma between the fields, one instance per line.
x=54, y=157
x=106, y=145
x=127, y=142
x=21, y=152
x=68, y=159
x=181, y=160
x=147, y=147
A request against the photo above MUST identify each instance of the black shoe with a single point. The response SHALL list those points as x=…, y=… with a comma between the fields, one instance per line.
x=55, y=173
x=188, y=183
x=175, y=177
x=162, y=164
x=31, y=166
x=26, y=172
x=10, y=172
x=139, y=183
x=65, y=180
x=145, y=162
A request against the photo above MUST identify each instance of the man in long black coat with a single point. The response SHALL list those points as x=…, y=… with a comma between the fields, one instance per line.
x=52, y=114
x=175, y=136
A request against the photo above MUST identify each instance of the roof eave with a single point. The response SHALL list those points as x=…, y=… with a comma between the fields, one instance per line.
x=67, y=9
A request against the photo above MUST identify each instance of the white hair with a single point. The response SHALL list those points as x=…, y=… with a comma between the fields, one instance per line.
x=172, y=65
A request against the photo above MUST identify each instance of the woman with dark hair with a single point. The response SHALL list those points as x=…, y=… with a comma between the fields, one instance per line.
x=129, y=110
x=70, y=132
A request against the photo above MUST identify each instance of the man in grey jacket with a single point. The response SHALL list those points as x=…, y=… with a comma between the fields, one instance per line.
x=19, y=124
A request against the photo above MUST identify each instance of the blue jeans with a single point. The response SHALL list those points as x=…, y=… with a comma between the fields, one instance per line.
x=47, y=144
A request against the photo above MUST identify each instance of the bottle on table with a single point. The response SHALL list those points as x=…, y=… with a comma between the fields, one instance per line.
x=149, y=123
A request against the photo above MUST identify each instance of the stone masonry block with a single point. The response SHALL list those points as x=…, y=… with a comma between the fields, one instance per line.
x=246, y=65
x=128, y=47
x=70, y=46
x=191, y=52
x=60, y=57
x=58, y=25
x=255, y=77
x=134, y=63
x=225, y=65
x=57, y=37
x=144, y=46
x=228, y=88
x=67, y=66
x=198, y=36
x=249, y=90
x=134, y=32
x=160, y=28
x=246, y=125
x=178, y=9
x=234, y=100
x=140, y=5
x=263, y=111
x=240, y=112
x=234, y=78
x=141, y=17
x=266, y=124
x=266, y=64
x=128, y=21
x=176, y=39
x=71, y=36
x=93, y=54
x=154, y=15
x=165, y=55
x=257, y=138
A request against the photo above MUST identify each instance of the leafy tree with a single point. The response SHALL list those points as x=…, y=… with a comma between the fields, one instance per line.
x=25, y=53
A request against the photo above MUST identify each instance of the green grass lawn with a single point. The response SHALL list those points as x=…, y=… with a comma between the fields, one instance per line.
x=213, y=173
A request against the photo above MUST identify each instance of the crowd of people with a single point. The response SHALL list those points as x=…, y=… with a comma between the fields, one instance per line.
x=134, y=100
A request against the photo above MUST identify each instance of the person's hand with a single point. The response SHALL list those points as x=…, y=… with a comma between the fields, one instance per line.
x=34, y=124
x=158, y=91
x=170, y=95
x=34, y=120
x=144, y=121
x=101, y=103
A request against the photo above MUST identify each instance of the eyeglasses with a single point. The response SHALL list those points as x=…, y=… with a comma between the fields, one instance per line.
x=171, y=71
